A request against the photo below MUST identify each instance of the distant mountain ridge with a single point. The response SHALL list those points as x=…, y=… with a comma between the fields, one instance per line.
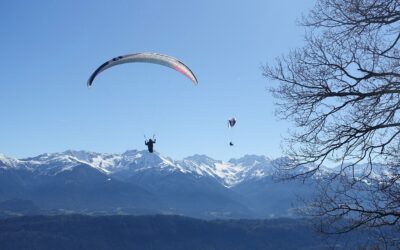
x=228, y=173
x=138, y=182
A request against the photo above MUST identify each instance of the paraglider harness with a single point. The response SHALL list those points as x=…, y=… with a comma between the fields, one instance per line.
x=149, y=143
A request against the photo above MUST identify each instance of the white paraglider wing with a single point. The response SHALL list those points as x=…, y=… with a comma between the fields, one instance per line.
x=145, y=57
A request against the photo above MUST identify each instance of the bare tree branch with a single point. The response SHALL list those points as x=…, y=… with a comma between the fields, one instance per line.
x=342, y=92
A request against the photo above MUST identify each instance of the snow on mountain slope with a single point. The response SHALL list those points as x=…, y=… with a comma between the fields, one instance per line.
x=7, y=161
x=253, y=166
x=134, y=161
x=229, y=173
x=51, y=164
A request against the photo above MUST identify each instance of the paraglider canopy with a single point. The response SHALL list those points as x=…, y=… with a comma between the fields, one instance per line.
x=145, y=57
x=231, y=122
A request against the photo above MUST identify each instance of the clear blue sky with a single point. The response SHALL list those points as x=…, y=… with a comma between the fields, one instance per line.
x=49, y=49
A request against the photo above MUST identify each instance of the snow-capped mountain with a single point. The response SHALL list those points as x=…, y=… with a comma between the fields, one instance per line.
x=137, y=182
x=228, y=173
x=140, y=182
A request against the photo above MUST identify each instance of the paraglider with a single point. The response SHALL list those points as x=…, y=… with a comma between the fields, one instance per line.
x=231, y=124
x=145, y=57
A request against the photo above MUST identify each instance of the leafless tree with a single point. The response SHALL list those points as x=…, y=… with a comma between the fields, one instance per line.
x=342, y=91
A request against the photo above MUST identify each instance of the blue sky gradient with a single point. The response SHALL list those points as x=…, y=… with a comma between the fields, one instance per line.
x=50, y=48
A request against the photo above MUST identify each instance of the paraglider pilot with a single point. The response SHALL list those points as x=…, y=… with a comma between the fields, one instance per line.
x=149, y=143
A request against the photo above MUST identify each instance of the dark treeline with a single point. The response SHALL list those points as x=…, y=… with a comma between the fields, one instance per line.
x=163, y=232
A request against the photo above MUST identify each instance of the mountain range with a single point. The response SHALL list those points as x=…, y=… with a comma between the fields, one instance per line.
x=138, y=182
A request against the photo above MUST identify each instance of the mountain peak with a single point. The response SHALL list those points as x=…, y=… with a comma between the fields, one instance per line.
x=250, y=160
x=133, y=161
x=201, y=159
x=132, y=152
x=7, y=161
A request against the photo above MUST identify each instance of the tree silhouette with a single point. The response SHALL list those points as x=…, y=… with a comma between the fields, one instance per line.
x=342, y=92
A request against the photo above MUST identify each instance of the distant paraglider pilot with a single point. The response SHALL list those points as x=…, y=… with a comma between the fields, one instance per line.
x=231, y=124
x=149, y=143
